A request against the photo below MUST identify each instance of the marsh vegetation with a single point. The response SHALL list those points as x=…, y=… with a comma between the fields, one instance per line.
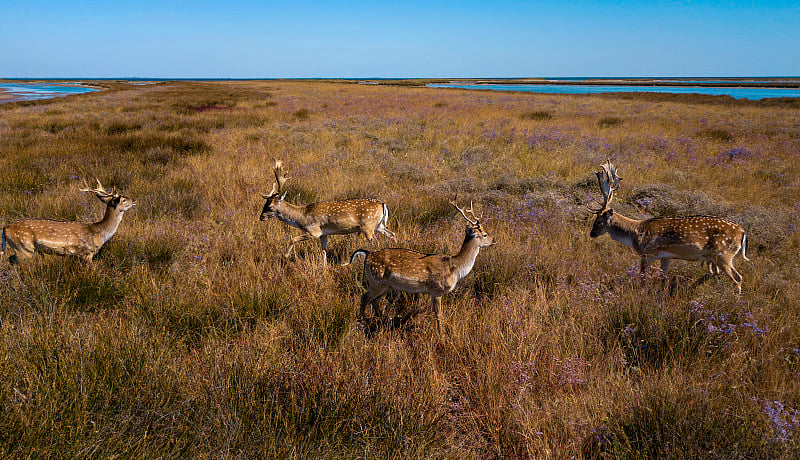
x=189, y=335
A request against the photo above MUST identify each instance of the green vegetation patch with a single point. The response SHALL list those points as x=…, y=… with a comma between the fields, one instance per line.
x=609, y=121
x=539, y=115
x=715, y=134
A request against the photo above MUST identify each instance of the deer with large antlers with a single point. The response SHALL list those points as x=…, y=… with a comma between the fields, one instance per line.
x=414, y=272
x=83, y=240
x=711, y=240
x=318, y=220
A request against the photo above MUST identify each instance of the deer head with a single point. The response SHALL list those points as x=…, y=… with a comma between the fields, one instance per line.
x=474, y=229
x=112, y=199
x=609, y=183
x=276, y=196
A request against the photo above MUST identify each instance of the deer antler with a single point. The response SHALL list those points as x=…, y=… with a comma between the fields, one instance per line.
x=99, y=191
x=272, y=192
x=280, y=179
x=609, y=183
x=280, y=176
x=463, y=213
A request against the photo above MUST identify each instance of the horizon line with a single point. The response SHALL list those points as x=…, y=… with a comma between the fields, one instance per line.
x=414, y=78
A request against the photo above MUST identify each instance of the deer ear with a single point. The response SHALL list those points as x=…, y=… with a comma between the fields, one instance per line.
x=610, y=213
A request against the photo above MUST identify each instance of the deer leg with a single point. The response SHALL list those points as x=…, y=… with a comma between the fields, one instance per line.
x=364, y=301
x=22, y=254
x=436, y=303
x=376, y=307
x=381, y=227
x=368, y=234
x=323, y=241
x=19, y=251
x=316, y=232
x=643, y=263
x=295, y=240
x=386, y=232
x=727, y=265
x=372, y=297
x=735, y=276
x=665, y=266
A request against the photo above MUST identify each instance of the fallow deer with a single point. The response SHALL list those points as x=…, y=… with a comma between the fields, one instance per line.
x=318, y=220
x=83, y=240
x=711, y=240
x=417, y=273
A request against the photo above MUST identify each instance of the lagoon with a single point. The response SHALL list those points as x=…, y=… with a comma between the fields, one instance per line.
x=37, y=91
x=735, y=92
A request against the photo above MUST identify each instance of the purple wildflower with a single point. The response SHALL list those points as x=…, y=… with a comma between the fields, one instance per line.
x=784, y=419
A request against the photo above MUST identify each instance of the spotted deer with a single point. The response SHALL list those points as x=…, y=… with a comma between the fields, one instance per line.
x=417, y=273
x=711, y=240
x=79, y=239
x=318, y=220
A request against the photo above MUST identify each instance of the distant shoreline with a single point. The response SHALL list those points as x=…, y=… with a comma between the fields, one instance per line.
x=44, y=91
x=721, y=82
x=7, y=96
x=701, y=83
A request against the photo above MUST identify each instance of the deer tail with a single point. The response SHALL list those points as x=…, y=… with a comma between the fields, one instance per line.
x=383, y=224
x=357, y=253
x=744, y=246
x=385, y=215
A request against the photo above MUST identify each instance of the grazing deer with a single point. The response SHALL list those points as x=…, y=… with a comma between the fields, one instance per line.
x=414, y=272
x=83, y=240
x=711, y=240
x=318, y=220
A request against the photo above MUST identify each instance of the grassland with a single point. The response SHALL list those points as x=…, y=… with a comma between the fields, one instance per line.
x=189, y=336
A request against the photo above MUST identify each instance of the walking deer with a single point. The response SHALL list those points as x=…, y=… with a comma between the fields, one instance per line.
x=83, y=240
x=417, y=273
x=318, y=220
x=711, y=240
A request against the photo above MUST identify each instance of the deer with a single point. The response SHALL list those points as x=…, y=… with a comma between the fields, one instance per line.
x=83, y=240
x=711, y=240
x=414, y=272
x=318, y=220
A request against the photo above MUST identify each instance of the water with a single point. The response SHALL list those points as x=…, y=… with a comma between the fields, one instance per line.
x=737, y=92
x=37, y=91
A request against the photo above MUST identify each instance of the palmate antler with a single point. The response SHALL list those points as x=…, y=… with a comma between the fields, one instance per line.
x=609, y=183
x=464, y=213
x=99, y=191
x=280, y=175
x=280, y=179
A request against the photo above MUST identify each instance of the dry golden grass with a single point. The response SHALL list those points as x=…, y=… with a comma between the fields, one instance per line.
x=189, y=336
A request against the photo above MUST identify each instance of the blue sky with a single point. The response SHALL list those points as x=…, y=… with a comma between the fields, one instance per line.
x=253, y=39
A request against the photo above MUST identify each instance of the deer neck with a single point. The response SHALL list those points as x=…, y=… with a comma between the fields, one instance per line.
x=106, y=227
x=624, y=229
x=465, y=259
x=291, y=214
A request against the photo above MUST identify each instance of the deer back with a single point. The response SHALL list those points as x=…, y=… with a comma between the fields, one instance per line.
x=49, y=235
x=406, y=270
x=346, y=214
x=690, y=237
